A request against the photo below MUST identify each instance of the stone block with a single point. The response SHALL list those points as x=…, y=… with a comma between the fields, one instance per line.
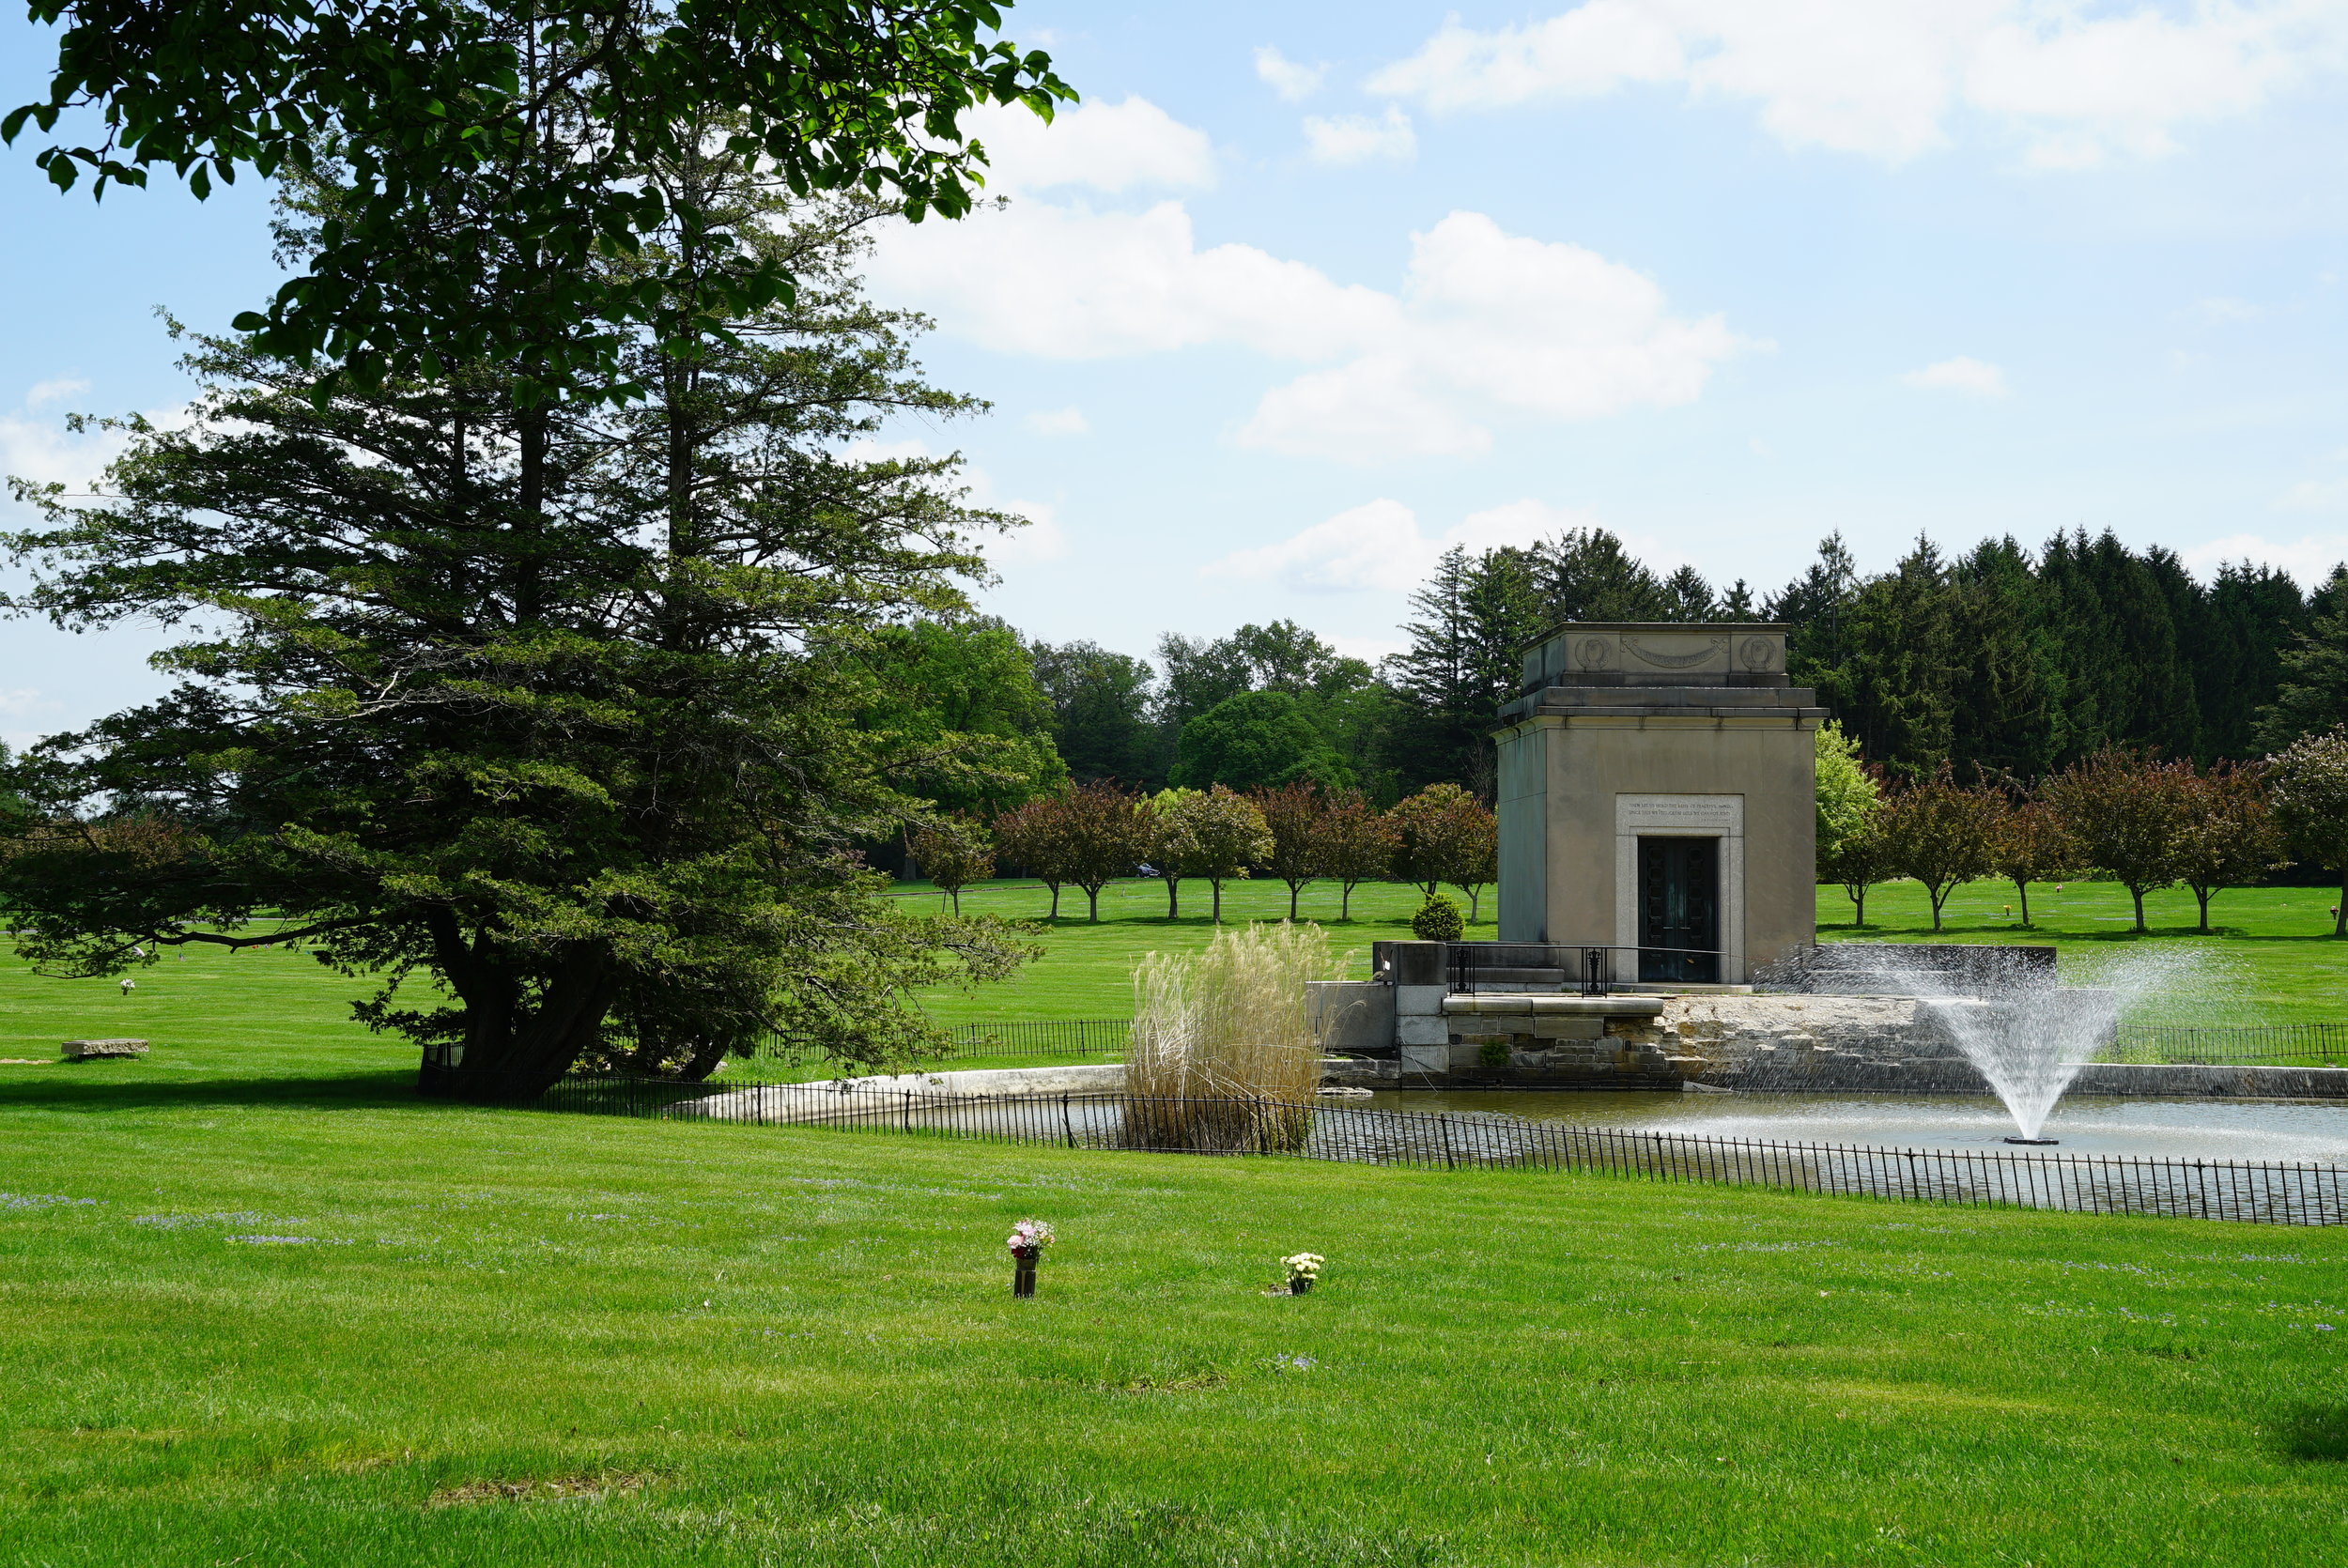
x=1420, y=963
x=82, y=1050
x=1568, y=1028
x=1418, y=1001
x=1418, y=1029
x=1351, y=1015
x=1427, y=1058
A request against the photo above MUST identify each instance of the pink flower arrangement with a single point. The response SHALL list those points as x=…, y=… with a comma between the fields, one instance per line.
x=1028, y=1238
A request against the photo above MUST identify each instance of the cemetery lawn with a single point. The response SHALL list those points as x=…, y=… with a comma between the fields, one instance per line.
x=2272, y=959
x=269, y=1318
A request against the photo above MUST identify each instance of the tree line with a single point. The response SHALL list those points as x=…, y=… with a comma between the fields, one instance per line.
x=2002, y=661
x=1086, y=836
x=2144, y=823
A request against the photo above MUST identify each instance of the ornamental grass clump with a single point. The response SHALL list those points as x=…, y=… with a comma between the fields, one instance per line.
x=1223, y=1055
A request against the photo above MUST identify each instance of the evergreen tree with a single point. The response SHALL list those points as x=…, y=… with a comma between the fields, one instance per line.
x=1686, y=596
x=1893, y=688
x=2254, y=613
x=2005, y=685
x=2312, y=695
x=1811, y=606
x=1585, y=575
x=1466, y=659
x=547, y=709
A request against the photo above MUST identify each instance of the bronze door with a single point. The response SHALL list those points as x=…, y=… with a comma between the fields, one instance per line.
x=1680, y=910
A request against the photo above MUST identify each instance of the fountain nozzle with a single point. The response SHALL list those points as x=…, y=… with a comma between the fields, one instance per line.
x=2013, y=1140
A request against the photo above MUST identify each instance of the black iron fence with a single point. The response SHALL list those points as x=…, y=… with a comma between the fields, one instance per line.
x=2263, y=1193
x=1086, y=1037
x=2289, y=1044
x=1583, y=967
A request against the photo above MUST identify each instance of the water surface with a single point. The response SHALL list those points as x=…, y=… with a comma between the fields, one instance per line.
x=2232, y=1130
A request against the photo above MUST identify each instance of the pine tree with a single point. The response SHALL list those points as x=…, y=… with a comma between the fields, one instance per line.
x=2313, y=694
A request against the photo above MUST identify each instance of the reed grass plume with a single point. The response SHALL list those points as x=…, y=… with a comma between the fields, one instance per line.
x=1225, y=1032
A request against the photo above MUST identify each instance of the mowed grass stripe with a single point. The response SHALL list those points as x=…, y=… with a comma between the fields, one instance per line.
x=519, y=1336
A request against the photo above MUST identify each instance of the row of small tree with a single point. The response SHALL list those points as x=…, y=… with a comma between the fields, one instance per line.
x=2145, y=824
x=1088, y=836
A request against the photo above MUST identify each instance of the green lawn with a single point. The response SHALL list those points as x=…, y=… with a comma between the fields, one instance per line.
x=508, y=1337
x=2272, y=960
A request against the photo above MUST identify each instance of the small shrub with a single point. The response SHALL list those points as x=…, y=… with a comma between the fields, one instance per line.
x=1494, y=1054
x=1438, y=920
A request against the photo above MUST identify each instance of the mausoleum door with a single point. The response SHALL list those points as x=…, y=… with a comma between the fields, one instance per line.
x=1680, y=910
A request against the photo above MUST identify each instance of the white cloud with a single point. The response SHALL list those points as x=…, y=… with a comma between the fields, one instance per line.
x=51, y=391
x=2309, y=559
x=1962, y=374
x=45, y=452
x=1891, y=80
x=1345, y=139
x=1102, y=147
x=1483, y=320
x=1069, y=420
x=1379, y=546
x=1294, y=82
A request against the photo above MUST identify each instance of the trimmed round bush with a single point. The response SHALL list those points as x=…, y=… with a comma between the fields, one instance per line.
x=1438, y=920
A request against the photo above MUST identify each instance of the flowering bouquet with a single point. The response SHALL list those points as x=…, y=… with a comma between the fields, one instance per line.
x=1303, y=1266
x=1028, y=1238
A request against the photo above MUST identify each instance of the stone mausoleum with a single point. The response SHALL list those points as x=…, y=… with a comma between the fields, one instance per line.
x=1657, y=800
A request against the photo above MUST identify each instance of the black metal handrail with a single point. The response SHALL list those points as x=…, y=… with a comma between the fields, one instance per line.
x=1590, y=970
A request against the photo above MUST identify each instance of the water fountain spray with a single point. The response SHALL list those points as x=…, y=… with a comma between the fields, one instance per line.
x=2027, y=1035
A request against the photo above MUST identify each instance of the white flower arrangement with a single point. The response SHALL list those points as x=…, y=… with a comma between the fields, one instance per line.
x=1305, y=1265
x=1029, y=1236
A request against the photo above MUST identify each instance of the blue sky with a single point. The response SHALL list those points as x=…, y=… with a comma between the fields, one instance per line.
x=1302, y=294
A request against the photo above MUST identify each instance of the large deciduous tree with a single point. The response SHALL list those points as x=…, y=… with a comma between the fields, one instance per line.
x=1847, y=794
x=1446, y=835
x=2033, y=845
x=2127, y=813
x=1228, y=836
x=1255, y=739
x=1355, y=843
x=2228, y=835
x=2309, y=781
x=1101, y=835
x=1293, y=815
x=421, y=99
x=551, y=703
x=1942, y=834
x=954, y=855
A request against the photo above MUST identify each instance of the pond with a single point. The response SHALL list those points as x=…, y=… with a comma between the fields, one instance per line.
x=2231, y=1130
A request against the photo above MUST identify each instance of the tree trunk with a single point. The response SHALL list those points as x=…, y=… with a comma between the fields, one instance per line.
x=1054, y=915
x=1173, y=897
x=2023, y=888
x=1858, y=900
x=1476, y=902
x=2202, y=897
x=1092, y=900
x=2138, y=895
x=1216, y=882
x=2339, y=914
x=1935, y=895
x=1293, y=888
x=510, y=1059
x=955, y=893
x=1344, y=901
